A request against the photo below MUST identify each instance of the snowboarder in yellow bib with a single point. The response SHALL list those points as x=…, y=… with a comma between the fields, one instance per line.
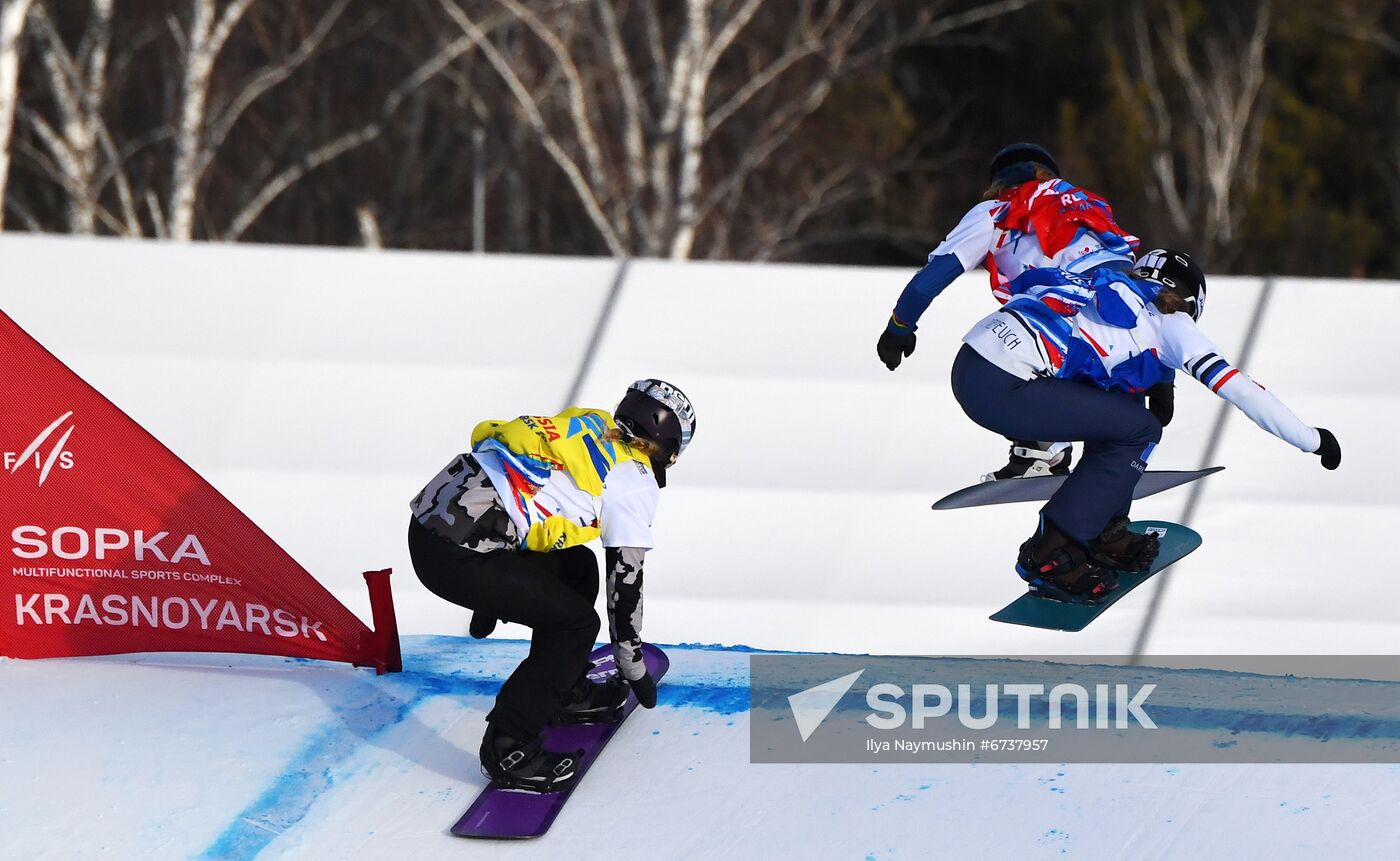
x=554, y=472
x=502, y=530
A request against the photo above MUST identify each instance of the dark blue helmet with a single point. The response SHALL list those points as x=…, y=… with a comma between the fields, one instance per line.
x=1009, y=159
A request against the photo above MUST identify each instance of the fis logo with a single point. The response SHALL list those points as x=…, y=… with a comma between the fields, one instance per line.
x=43, y=460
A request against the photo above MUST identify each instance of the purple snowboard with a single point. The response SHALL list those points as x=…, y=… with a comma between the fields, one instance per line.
x=506, y=814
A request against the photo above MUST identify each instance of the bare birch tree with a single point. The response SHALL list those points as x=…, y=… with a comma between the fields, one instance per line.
x=74, y=148
x=77, y=149
x=12, y=18
x=632, y=101
x=283, y=179
x=1201, y=101
x=202, y=128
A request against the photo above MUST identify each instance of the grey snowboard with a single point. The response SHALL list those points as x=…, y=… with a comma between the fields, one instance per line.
x=1042, y=487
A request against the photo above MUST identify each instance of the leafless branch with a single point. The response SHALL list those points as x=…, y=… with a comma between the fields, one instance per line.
x=268, y=77
x=530, y=106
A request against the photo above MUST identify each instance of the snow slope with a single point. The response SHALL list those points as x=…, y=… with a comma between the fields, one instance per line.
x=319, y=389
x=173, y=756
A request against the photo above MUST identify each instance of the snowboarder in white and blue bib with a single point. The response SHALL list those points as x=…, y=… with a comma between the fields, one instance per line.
x=1069, y=357
x=1029, y=217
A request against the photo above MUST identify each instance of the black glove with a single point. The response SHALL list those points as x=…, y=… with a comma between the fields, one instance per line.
x=627, y=654
x=645, y=689
x=1330, y=451
x=892, y=348
x=482, y=625
x=1161, y=401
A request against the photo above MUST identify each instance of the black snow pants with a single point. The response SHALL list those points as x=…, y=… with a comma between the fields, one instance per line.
x=551, y=593
x=1119, y=435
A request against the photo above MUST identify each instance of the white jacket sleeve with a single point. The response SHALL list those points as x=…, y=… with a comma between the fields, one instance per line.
x=972, y=239
x=1268, y=412
x=1185, y=347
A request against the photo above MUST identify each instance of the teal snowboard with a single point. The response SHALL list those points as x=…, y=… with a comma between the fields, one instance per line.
x=1177, y=543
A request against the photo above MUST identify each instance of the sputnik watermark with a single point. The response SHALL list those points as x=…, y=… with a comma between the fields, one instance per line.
x=1110, y=706
x=865, y=708
x=956, y=745
x=935, y=701
x=810, y=707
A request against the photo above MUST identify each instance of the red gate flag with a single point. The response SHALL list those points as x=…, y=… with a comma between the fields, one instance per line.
x=116, y=545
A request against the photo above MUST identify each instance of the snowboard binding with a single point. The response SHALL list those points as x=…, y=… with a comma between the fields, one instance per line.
x=512, y=764
x=1119, y=549
x=589, y=702
x=1056, y=567
x=1029, y=458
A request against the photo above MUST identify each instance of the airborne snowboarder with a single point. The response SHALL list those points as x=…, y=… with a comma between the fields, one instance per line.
x=1069, y=357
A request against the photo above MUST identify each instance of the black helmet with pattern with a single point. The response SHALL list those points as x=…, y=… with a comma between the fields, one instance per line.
x=1177, y=272
x=657, y=411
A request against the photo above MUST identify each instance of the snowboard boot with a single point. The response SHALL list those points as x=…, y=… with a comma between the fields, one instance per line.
x=1058, y=567
x=1029, y=459
x=482, y=625
x=593, y=702
x=513, y=764
x=1119, y=549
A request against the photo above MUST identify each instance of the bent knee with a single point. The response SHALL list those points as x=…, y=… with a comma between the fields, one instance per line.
x=586, y=624
x=1148, y=430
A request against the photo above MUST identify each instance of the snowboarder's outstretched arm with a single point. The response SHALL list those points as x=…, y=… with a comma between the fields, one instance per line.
x=1185, y=347
x=625, y=619
x=965, y=246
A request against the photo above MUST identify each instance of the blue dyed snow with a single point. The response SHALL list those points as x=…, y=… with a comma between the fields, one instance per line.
x=1056, y=835
x=435, y=666
x=287, y=801
x=458, y=667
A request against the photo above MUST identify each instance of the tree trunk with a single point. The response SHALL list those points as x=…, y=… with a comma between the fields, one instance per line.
x=11, y=29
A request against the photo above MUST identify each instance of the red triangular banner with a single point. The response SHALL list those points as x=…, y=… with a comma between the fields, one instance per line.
x=116, y=545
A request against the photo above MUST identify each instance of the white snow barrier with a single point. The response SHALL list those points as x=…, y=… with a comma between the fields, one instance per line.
x=319, y=389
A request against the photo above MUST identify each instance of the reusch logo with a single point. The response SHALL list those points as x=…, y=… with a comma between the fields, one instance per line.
x=44, y=462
